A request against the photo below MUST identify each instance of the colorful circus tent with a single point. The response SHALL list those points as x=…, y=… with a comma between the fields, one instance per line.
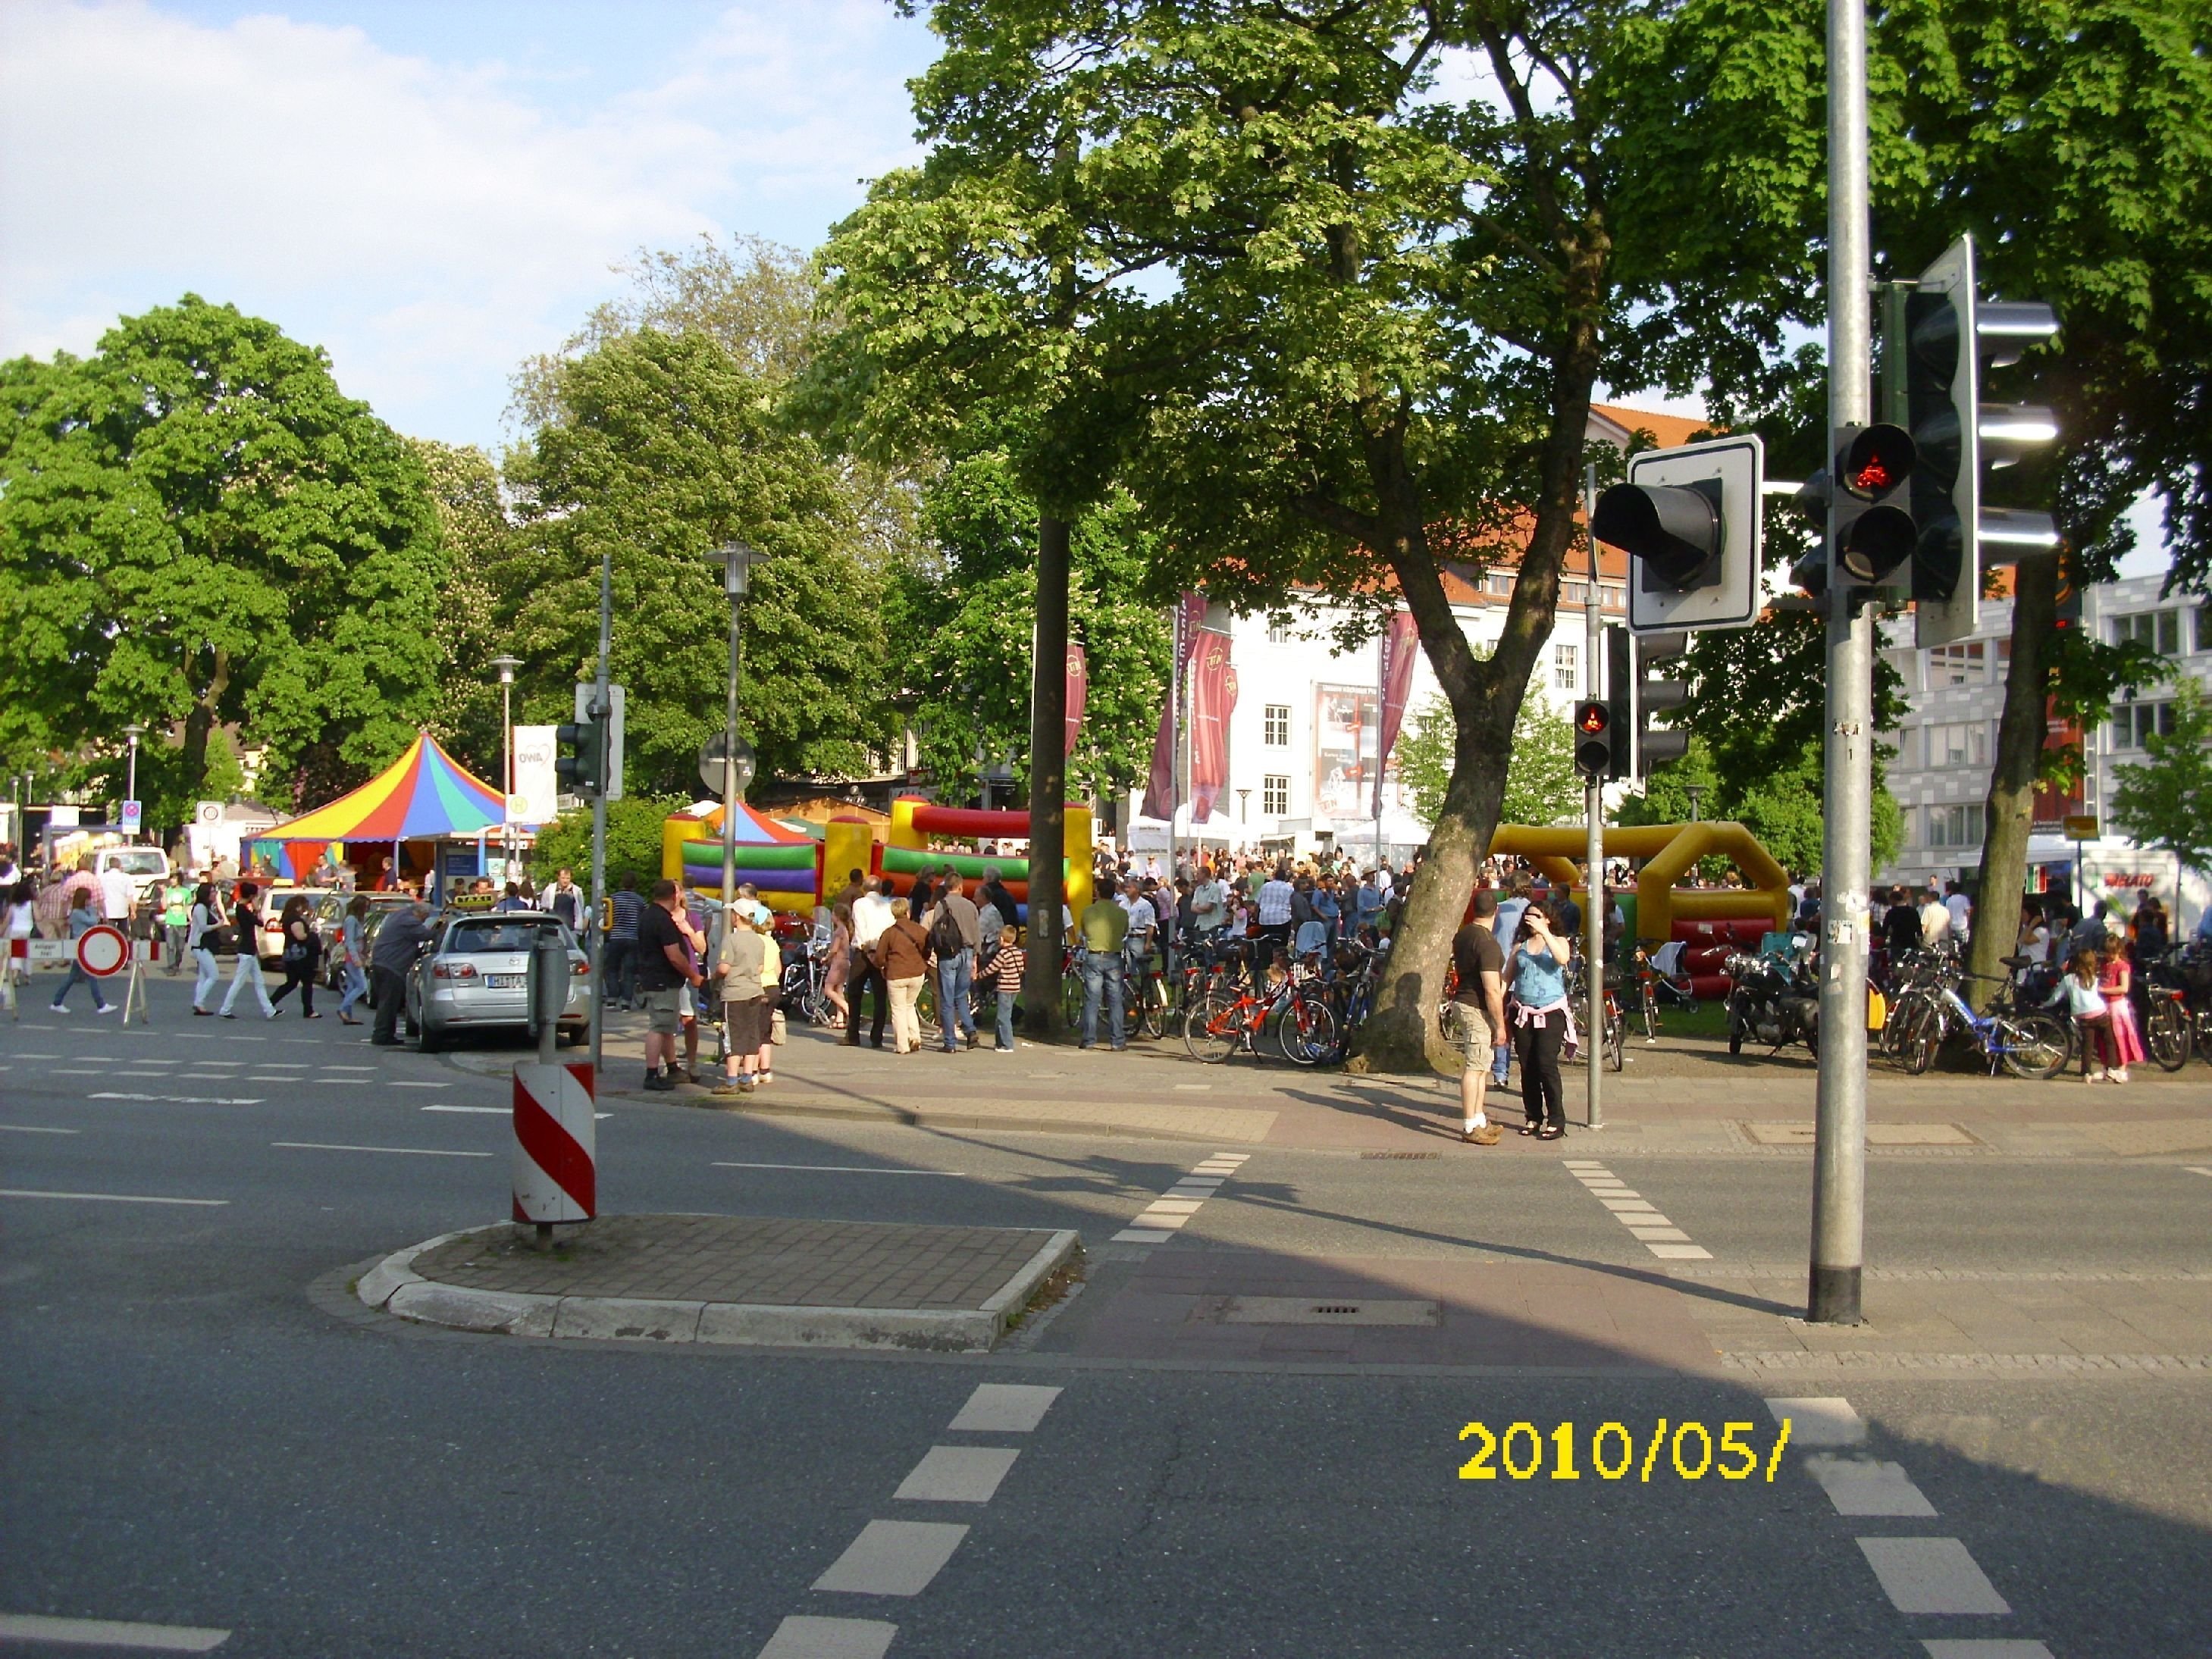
x=424, y=797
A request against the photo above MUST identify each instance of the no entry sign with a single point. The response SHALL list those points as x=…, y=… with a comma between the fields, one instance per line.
x=103, y=950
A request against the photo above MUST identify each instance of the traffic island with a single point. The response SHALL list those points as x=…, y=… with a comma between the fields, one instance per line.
x=735, y=1279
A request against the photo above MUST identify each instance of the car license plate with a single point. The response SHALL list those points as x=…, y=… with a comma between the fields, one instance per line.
x=506, y=982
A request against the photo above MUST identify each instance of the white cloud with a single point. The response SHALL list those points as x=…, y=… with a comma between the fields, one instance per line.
x=428, y=222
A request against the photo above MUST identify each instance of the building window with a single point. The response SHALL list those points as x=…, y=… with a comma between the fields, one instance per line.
x=2159, y=630
x=1955, y=826
x=2134, y=721
x=2204, y=627
x=1278, y=726
x=1275, y=794
x=1957, y=664
x=1499, y=582
x=1958, y=743
x=1564, y=658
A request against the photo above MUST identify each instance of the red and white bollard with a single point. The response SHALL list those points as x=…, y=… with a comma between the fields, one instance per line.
x=556, y=1168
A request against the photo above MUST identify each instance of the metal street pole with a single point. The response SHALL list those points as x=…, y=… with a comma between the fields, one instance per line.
x=1839, y=1144
x=130, y=787
x=1594, y=846
x=507, y=665
x=737, y=570
x=595, y=944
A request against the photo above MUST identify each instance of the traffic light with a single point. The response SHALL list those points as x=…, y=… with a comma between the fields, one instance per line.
x=582, y=767
x=1637, y=745
x=1689, y=520
x=1950, y=334
x=1593, y=739
x=1863, y=497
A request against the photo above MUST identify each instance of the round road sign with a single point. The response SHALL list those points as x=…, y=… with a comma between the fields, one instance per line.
x=103, y=950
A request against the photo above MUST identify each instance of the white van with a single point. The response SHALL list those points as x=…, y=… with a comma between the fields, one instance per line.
x=142, y=864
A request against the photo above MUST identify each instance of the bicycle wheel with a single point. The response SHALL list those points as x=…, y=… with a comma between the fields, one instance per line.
x=1920, y=1038
x=1616, y=1039
x=2030, y=1045
x=925, y=1008
x=1071, y=999
x=1212, y=1029
x=1152, y=1006
x=2167, y=1034
x=1306, y=1032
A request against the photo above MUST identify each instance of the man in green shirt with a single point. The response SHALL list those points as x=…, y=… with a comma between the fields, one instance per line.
x=1103, y=925
x=176, y=919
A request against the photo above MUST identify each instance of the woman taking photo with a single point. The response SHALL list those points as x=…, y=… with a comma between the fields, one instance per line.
x=303, y=954
x=1541, y=1021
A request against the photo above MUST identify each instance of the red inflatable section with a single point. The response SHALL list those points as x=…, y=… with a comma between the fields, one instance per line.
x=1707, y=944
x=969, y=821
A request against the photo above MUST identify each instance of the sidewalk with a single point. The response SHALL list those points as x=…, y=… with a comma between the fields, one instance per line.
x=728, y=1279
x=1690, y=1099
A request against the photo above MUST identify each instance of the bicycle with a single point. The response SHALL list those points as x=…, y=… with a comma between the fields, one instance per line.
x=1231, y=1021
x=2028, y=1045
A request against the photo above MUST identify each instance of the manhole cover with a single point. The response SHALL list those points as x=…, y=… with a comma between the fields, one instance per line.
x=1315, y=1310
x=1403, y=1156
x=1878, y=1134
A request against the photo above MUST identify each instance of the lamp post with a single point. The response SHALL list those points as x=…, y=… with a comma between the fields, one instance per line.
x=134, y=732
x=1696, y=793
x=737, y=561
x=507, y=665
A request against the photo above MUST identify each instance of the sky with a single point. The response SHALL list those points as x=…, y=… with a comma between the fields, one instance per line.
x=430, y=191
x=434, y=189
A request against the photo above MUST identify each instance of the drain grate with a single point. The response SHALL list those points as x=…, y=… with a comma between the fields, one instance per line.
x=1402, y=1157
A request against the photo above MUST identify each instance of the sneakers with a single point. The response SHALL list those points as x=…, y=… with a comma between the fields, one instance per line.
x=1483, y=1134
x=658, y=1081
x=109, y=1008
x=731, y=1085
x=59, y=1008
x=2118, y=1075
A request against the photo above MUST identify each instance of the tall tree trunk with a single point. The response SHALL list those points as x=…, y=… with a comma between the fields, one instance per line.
x=1040, y=1012
x=200, y=722
x=2010, y=811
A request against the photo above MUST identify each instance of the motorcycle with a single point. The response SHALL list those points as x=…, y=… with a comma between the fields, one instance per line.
x=1772, y=1001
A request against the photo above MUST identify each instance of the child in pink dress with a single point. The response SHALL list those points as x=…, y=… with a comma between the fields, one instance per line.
x=2113, y=983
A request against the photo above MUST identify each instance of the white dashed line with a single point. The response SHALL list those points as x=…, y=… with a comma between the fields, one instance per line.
x=1821, y=1420
x=411, y=1151
x=1931, y=1575
x=33, y=1129
x=109, y=1633
x=1861, y=1486
x=183, y=1100
x=1159, y=1221
x=893, y=1558
x=114, y=1198
x=1652, y=1230
x=1005, y=1408
x=957, y=1475
x=401, y=1085
x=803, y=1637
x=1985, y=1647
x=811, y=1169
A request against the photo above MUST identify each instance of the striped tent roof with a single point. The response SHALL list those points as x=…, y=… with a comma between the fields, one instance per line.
x=424, y=794
x=753, y=830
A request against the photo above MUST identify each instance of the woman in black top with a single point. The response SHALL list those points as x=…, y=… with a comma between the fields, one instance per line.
x=303, y=951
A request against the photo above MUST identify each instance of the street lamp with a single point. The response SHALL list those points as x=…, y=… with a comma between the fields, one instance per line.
x=1696, y=793
x=134, y=732
x=507, y=665
x=737, y=561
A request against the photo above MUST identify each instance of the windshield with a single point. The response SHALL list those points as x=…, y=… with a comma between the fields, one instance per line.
x=138, y=860
x=471, y=938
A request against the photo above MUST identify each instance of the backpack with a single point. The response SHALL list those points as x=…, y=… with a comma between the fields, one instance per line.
x=944, y=935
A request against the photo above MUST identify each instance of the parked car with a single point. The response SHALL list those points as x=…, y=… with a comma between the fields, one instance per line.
x=475, y=975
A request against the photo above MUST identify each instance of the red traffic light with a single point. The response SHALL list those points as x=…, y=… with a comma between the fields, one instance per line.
x=1593, y=718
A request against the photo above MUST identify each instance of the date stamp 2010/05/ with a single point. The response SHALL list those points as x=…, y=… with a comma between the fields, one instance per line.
x=1691, y=1452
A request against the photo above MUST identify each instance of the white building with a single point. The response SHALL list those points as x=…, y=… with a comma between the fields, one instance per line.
x=1955, y=692
x=1302, y=739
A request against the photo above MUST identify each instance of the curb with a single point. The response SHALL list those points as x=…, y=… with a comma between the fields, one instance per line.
x=393, y=1287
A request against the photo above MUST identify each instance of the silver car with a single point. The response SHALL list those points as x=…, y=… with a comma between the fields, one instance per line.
x=475, y=974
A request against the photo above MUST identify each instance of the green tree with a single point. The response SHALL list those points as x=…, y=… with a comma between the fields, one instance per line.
x=1541, y=785
x=665, y=446
x=2168, y=801
x=473, y=522
x=968, y=609
x=633, y=827
x=197, y=526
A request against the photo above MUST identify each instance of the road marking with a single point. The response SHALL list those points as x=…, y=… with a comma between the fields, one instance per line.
x=1142, y=1235
x=1649, y=1234
x=1156, y=1222
x=893, y=1558
x=2196, y=1168
x=114, y=1198
x=1005, y=1408
x=25, y=1053
x=1931, y=1575
x=957, y=1475
x=803, y=1637
x=1167, y=1206
x=1861, y=1486
x=75, y=1071
x=182, y=1100
x=1641, y=1217
x=412, y=1152
x=110, y=1633
x=348, y=1068
x=1821, y=1420
x=817, y=1169
x=33, y=1129
x=401, y=1084
x=1193, y=1088
x=1987, y=1647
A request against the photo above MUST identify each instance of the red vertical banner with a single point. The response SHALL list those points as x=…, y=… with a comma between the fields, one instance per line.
x=1078, y=690
x=1213, y=699
x=1160, y=787
x=1401, y=645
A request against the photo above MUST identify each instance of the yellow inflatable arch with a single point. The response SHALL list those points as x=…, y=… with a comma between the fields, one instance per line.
x=1668, y=851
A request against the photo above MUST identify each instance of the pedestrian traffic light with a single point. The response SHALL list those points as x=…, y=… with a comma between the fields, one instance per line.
x=1593, y=739
x=1951, y=334
x=1862, y=501
x=1689, y=520
x=581, y=766
x=1637, y=745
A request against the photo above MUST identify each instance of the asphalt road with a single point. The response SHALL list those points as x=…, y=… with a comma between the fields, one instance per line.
x=197, y=1433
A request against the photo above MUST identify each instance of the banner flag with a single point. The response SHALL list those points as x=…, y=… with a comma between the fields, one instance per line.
x=1079, y=689
x=1213, y=699
x=1401, y=647
x=1160, y=787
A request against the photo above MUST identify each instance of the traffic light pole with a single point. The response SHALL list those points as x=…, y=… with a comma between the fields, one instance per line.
x=1593, y=810
x=1839, y=1144
x=597, y=933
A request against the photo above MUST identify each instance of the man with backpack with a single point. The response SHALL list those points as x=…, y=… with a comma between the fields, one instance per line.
x=955, y=934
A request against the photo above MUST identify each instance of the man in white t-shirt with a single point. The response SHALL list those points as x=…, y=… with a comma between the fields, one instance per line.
x=1935, y=920
x=118, y=894
x=1962, y=912
x=1209, y=902
x=872, y=914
